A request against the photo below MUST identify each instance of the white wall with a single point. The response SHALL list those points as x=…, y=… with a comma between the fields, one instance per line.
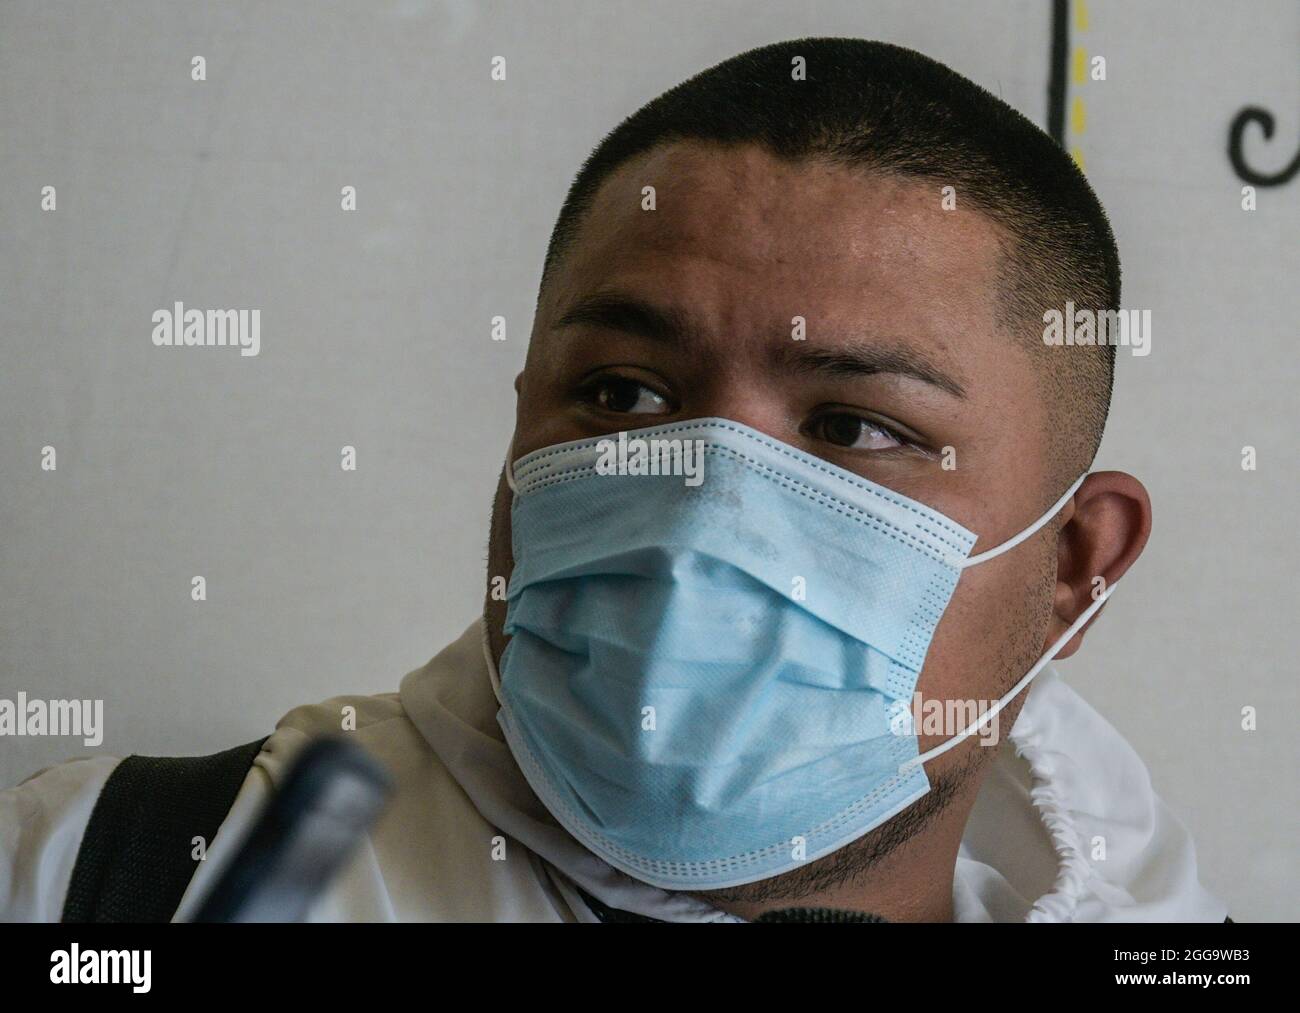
x=374, y=333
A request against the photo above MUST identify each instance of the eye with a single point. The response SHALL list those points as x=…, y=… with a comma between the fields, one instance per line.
x=625, y=396
x=857, y=432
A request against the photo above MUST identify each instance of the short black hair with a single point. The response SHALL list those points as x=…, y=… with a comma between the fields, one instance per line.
x=883, y=108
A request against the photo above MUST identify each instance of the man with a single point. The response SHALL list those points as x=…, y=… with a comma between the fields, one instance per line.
x=817, y=274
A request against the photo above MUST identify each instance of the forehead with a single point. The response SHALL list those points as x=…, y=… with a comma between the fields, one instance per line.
x=740, y=233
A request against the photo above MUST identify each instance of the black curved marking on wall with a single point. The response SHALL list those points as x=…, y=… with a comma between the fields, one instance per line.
x=1058, y=68
x=1236, y=154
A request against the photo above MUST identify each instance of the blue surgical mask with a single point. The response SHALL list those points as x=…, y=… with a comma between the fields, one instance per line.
x=704, y=665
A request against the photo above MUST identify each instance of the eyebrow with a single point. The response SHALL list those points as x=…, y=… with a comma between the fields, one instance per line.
x=866, y=359
x=673, y=326
x=616, y=312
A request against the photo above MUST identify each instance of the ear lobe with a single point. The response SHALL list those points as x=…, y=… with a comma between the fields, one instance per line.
x=1108, y=528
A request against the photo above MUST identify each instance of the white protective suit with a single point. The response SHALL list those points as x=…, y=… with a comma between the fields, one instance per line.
x=464, y=838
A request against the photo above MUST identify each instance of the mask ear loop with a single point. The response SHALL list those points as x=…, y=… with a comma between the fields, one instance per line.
x=494, y=677
x=1015, y=540
x=1075, y=627
x=1064, y=639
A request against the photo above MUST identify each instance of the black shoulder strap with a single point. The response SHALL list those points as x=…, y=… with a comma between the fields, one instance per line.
x=135, y=858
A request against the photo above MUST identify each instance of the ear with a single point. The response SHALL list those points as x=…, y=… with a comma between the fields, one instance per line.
x=519, y=383
x=1104, y=533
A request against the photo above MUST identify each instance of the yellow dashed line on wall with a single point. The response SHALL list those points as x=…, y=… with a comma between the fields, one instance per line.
x=1079, y=75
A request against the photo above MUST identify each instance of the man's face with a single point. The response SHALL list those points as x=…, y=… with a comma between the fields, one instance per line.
x=688, y=311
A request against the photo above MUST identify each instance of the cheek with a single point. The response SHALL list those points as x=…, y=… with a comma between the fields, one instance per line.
x=542, y=416
x=988, y=637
